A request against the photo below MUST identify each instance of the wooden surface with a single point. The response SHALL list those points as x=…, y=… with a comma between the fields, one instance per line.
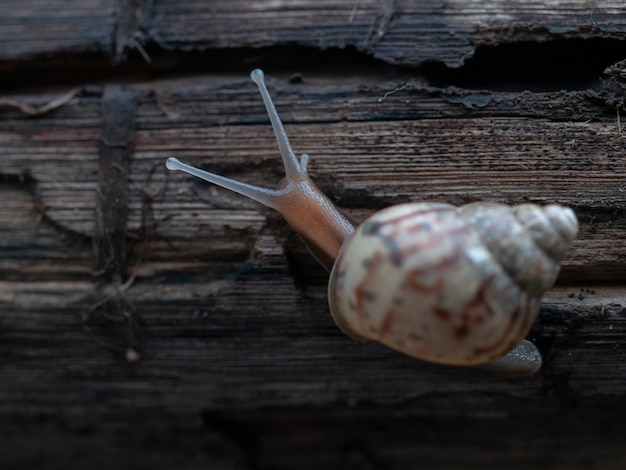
x=148, y=319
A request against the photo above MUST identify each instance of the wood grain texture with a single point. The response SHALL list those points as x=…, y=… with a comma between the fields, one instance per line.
x=38, y=28
x=206, y=341
x=406, y=32
x=214, y=311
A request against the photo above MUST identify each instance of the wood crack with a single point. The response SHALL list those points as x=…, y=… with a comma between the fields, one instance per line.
x=112, y=312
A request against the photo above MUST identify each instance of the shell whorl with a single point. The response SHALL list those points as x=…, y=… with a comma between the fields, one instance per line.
x=447, y=284
x=528, y=241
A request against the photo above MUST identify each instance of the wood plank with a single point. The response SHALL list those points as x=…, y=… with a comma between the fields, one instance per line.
x=211, y=262
x=36, y=28
x=211, y=345
x=410, y=32
x=420, y=144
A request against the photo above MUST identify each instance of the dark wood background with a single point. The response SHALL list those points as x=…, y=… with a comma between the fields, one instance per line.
x=150, y=320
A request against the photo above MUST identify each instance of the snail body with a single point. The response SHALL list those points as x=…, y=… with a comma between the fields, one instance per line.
x=451, y=285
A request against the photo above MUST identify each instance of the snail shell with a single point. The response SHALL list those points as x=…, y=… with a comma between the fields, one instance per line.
x=450, y=285
x=459, y=286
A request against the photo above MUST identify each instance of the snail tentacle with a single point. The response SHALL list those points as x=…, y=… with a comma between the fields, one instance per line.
x=308, y=210
x=293, y=168
x=263, y=195
x=304, y=162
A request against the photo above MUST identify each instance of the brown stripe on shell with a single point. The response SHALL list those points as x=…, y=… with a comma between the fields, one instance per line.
x=481, y=296
x=387, y=323
x=442, y=313
x=412, y=276
x=460, y=332
x=390, y=239
x=516, y=323
x=372, y=228
x=361, y=293
x=398, y=255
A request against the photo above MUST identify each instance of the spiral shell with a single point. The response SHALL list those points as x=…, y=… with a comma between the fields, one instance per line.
x=454, y=285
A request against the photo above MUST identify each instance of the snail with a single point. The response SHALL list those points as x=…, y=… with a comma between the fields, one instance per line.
x=451, y=285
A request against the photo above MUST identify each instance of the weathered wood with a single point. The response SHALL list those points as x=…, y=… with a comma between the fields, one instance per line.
x=214, y=309
x=418, y=145
x=409, y=32
x=38, y=28
x=206, y=342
